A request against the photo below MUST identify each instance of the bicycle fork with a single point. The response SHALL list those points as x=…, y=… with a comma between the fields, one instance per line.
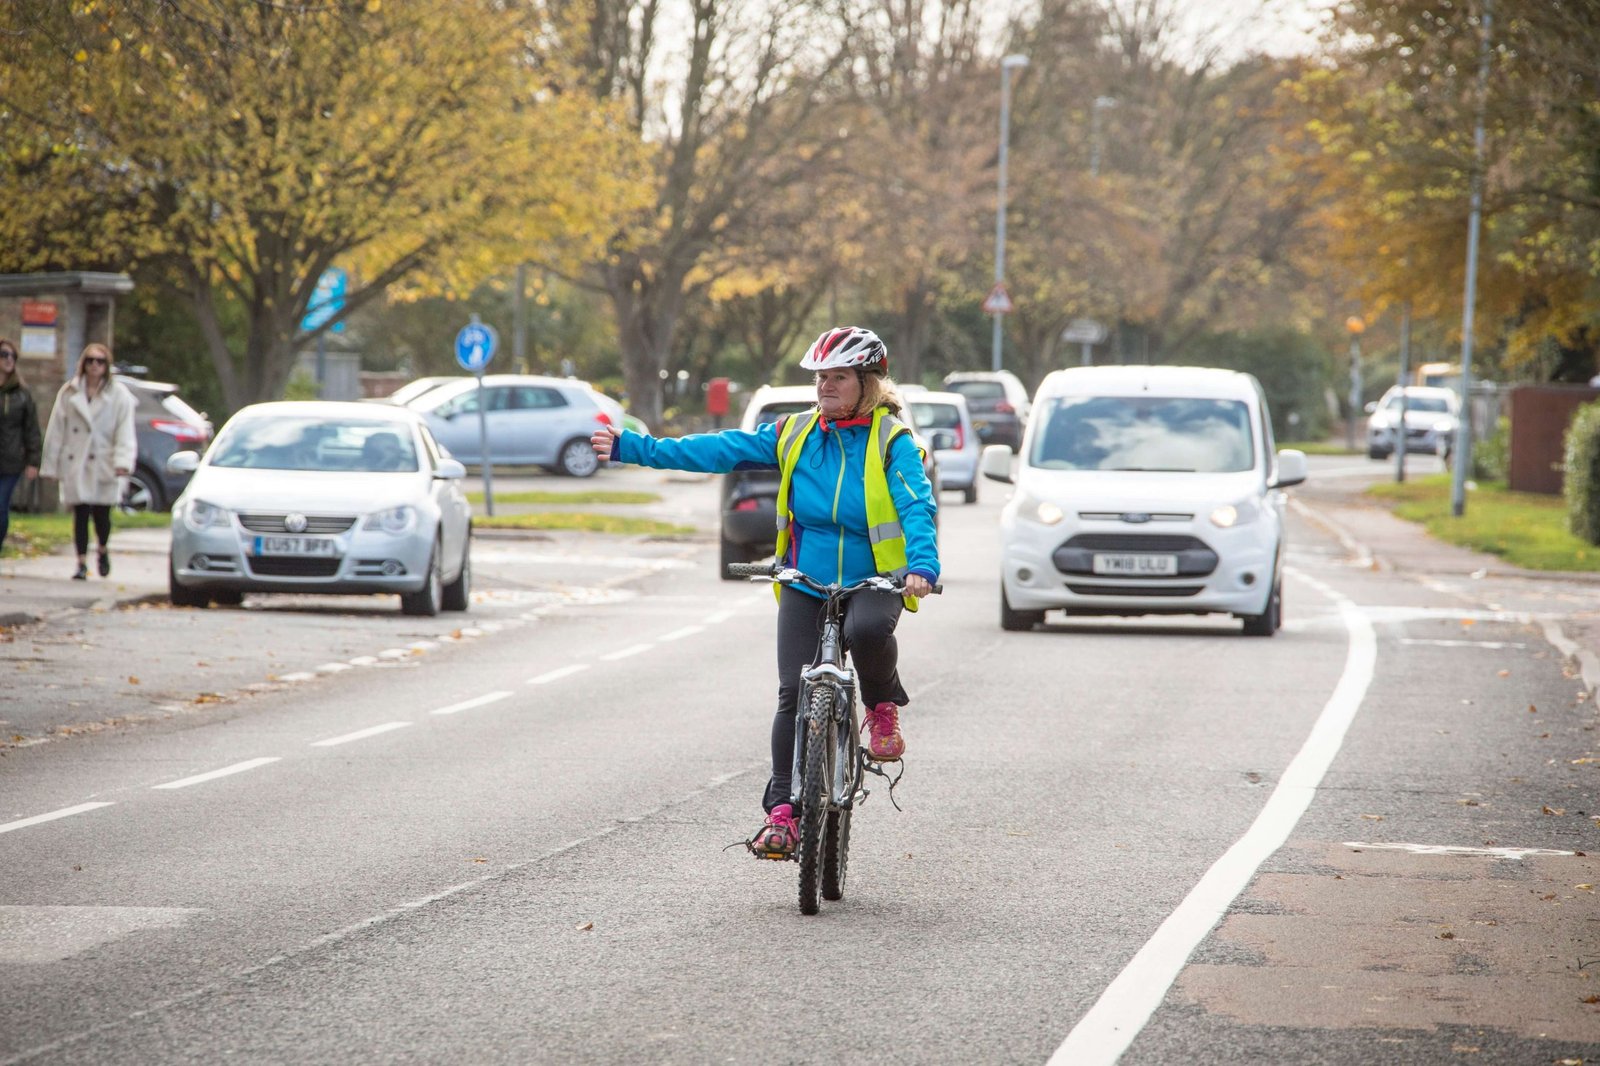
x=838, y=732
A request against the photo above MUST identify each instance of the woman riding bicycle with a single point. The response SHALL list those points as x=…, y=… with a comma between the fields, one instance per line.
x=853, y=501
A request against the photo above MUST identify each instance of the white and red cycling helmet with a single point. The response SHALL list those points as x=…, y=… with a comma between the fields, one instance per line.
x=847, y=346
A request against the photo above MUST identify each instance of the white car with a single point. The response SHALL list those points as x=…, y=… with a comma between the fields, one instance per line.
x=1145, y=490
x=1431, y=415
x=322, y=497
x=943, y=420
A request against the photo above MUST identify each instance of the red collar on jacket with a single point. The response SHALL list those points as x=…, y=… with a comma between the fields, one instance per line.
x=845, y=423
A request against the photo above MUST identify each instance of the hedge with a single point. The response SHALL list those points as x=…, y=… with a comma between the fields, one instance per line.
x=1582, y=482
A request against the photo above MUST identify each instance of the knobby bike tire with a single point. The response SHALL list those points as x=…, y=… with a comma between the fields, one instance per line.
x=814, y=795
x=835, y=854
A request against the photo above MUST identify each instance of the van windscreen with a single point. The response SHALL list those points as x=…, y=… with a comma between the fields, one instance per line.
x=1143, y=433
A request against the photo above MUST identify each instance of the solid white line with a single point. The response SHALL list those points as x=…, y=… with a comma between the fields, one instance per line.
x=679, y=634
x=557, y=675
x=1124, y=1008
x=1462, y=643
x=625, y=652
x=360, y=734
x=65, y=812
x=236, y=768
x=467, y=705
x=720, y=616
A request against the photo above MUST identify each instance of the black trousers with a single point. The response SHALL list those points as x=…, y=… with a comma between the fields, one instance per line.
x=81, y=513
x=869, y=621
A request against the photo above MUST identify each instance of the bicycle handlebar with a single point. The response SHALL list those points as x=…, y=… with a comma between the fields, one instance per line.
x=789, y=576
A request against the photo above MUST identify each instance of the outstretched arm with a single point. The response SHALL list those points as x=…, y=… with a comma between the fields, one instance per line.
x=703, y=453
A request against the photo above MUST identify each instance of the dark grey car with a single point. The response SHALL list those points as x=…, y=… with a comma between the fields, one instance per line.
x=164, y=425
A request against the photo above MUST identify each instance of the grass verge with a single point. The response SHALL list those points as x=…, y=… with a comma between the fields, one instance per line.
x=1525, y=529
x=584, y=522
x=1320, y=447
x=41, y=534
x=590, y=496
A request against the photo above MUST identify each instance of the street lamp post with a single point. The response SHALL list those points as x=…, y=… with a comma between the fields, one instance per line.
x=1007, y=65
x=1101, y=103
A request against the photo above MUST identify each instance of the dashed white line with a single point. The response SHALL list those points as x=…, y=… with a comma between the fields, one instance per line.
x=296, y=677
x=467, y=705
x=679, y=634
x=65, y=812
x=1463, y=643
x=625, y=652
x=720, y=616
x=236, y=768
x=360, y=734
x=557, y=675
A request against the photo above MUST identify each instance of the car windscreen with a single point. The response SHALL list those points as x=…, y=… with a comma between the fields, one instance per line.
x=1207, y=436
x=935, y=415
x=1432, y=405
x=308, y=443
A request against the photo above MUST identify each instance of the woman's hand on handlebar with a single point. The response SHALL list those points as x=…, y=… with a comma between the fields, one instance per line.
x=604, y=442
x=917, y=585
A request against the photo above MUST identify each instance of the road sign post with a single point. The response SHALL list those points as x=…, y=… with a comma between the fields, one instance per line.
x=475, y=346
x=1087, y=332
x=327, y=300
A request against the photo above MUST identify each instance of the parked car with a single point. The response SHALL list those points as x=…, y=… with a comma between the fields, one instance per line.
x=998, y=401
x=529, y=419
x=943, y=418
x=1145, y=490
x=1431, y=418
x=749, y=497
x=322, y=497
x=164, y=424
x=416, y=387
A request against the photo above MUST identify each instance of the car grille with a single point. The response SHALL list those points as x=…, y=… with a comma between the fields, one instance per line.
x=264, y=522
x=1195, y=559
x=291, y=566
x=1135, y=590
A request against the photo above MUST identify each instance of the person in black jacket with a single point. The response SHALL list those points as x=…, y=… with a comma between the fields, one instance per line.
x=19, y=433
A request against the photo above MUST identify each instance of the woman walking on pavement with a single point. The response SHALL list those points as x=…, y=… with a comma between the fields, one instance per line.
x=90, y=447
x=19, y=433
x=853, y=502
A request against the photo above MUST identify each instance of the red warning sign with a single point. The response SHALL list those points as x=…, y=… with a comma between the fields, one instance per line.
x=998, y=302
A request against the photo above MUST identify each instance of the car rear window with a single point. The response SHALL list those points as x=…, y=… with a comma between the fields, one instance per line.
x=301, y=443
x=1144, y=433
x=774, y=411
x=935, y=415
x=982, y=391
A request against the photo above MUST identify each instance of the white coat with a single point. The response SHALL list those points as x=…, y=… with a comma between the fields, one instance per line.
x=88, y=441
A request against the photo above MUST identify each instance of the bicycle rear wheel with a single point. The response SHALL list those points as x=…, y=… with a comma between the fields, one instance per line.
x=814, y=796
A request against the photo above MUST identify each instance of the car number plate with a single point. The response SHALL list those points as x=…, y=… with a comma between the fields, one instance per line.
x=1138, y=565
x=293, y=546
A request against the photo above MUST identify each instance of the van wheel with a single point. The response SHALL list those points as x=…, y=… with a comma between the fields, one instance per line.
x=1267, y=622
x=1016, y=621
x=970, y=493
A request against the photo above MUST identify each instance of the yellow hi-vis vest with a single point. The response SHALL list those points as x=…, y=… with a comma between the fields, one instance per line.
x=883, y=520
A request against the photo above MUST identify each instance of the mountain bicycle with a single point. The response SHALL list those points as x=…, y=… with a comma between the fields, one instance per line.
x=830, y=764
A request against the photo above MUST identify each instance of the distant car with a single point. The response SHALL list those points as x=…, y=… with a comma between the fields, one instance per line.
x=163, y=424
x=943, y=419
x=998, y=402
x=322, y=497
x=530, y=420
x=1145, y=490
x=1431, y=416
x=750, y=497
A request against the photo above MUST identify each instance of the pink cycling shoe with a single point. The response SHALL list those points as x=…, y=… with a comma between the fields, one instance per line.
x=883, y=725
x=779, y=837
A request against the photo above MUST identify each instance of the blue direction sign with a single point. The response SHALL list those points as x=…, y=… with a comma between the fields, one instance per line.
x=475, y=345
x=327, y=300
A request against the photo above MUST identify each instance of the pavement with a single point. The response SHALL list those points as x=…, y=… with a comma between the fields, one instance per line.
x=1566, y=605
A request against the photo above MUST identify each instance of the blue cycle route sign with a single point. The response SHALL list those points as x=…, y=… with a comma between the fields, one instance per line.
x=327, y=300
x=475, y=345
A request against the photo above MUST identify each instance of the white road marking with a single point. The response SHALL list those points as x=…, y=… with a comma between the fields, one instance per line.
x=477, y=701
x=625, y=652
x=1125, y=1007
x=394, y=653
x=296, y=677
x=333, y=668
x=1463, y=643
x=236, y=768
x=720, y=616
x=65, y=812
x=1451, y=849
x=360, y=734
x=557, y=675
x=679, y=634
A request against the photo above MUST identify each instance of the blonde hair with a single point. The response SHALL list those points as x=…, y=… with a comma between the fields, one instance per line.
x=95, y=348
x=877, y=390
x=14, y=377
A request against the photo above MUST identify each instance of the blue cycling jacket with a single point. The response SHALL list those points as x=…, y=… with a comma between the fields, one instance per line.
x=828, y=499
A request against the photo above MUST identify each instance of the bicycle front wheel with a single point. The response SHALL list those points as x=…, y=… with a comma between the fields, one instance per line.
x=835, y=853
x=815, y=782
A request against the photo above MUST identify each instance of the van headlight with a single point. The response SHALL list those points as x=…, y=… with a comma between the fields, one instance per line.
x=395, y=520
x=199, y=515
x=1042, y=511
x=1234, y=514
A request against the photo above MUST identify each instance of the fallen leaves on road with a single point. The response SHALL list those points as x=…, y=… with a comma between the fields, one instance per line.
x=1554, y=810
x=1447, y=935
x=1505, y=673
x=1373, y=817
x=210, y=697
x=1584, y=887
x=1532, y=709
x=585, y=927
x=133, y=680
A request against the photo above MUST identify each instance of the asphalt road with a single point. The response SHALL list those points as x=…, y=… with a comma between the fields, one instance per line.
x=1357, y=842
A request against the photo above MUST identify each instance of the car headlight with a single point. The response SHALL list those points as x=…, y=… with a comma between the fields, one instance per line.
x=199, y=515
x=1041, y=511
x=395, y=520
x=1234, y=514
x=1444, y=428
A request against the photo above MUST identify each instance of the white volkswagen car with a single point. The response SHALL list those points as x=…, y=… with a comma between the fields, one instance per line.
x=322, y=497
x=1145, y=490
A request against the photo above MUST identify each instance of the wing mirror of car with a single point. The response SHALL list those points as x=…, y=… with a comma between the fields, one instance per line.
x=1291, y=468
x=183, y=462
x=450, y=470
x=941, y=440
x=996, y=463
x=1371, y=408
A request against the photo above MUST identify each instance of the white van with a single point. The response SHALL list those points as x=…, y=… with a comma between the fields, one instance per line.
x=1145, y=490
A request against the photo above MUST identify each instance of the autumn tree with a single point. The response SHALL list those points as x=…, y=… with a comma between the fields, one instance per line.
x=239, y=148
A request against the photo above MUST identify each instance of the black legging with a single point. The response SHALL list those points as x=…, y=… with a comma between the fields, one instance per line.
x=81, y=513
x=869, y=621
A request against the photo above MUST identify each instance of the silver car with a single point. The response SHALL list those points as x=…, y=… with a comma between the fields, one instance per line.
x=942, y=419
x=528, y=420
x=322, y=497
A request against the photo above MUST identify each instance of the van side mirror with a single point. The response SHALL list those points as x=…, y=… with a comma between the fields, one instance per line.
x=995, y=463
x=1291, y=468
